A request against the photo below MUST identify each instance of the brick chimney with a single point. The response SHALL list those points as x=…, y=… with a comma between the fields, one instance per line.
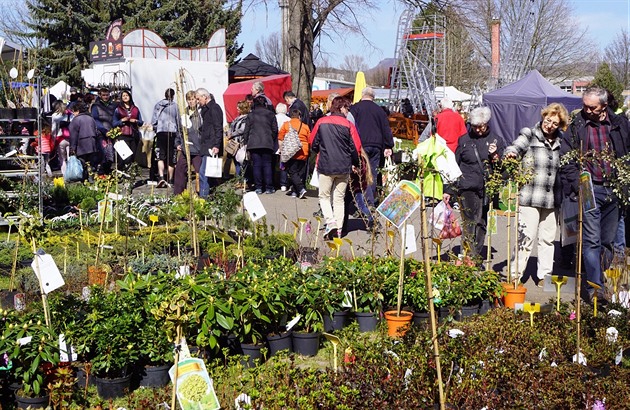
x=496, y=48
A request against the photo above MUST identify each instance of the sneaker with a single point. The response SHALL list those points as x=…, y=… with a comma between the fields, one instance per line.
x=270, y=191
x=259, y=191
x=162, y=183
x=283, y=188
x=456, y=206
x=318, y=214
x=302, y=193
x=292, y=194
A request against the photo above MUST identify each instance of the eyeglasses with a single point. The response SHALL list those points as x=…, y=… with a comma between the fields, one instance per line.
x=548, y=121
x=594, y=109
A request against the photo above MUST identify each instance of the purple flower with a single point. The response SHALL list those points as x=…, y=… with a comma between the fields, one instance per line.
x=308, y=227
x=599, y=405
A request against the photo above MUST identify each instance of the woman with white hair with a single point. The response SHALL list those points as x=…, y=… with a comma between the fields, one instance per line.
x=477, y=152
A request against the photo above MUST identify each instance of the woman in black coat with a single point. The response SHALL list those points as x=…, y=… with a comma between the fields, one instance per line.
x=261, y=136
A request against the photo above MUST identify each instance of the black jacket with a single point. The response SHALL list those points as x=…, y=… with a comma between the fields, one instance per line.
x=473, y=175
x=305, y=116
x=261, y=129
x=576, y=136
x=83, y=134
x=332, y=140
x=373, y=125
x=211, y=128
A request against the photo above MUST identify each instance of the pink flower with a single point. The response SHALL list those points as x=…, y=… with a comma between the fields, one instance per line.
x=572, y=316
x=308, y=228
x=599, y=405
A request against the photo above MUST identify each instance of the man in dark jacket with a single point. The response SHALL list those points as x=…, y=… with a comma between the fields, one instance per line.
x=595, y=128
x=376, y=135
x=295, y=103
x=211, y=137
x=261, y=138
x=103, y=114
x=83, y=137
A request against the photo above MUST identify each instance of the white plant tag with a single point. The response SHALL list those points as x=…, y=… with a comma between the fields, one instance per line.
x=410, y=240
x=154, y=183
x=542, y=354
x=612, y=334
x=293, y=322
x=581, y=360
x=123, y=149
x=183, y=272
x=455, y=333
x=619, y=356
x=347, y=299
x=85, y=293
x=140, y=221
x=66, y=352
x=114, y=196
x=254, y=207
x=45, y=266
x=24, y=340
x=242, y=399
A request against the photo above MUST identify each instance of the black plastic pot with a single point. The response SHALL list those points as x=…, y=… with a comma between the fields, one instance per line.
x=112, y=388
x=338, y=321
x=26, y=113
x=31, y=403
x=253, y=354
x=7, y=113
x=420, y=318
x=306, y=344
x=279, y=342
x=466, y=311
x=7, y=299
x=154, y=376
x=367, y=321
x=485, y=307
x=81, y=377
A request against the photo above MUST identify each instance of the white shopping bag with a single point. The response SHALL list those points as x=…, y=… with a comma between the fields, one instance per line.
x=315, y=179
x=214, y=166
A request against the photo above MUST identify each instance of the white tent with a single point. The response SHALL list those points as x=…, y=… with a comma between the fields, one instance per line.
x=451, y=93
x=61, y=90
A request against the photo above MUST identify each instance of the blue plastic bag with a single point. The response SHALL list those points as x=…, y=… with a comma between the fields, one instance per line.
x=74, y=170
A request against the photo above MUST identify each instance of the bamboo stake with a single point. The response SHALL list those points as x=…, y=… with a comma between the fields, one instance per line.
x=489, y=250
x=103, y=217
x=426, y=246
x=509, y=228
x=41, y=284
x=176, y=370
x=578, y=272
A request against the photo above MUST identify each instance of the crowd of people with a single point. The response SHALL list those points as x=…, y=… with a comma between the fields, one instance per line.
x=346, y=147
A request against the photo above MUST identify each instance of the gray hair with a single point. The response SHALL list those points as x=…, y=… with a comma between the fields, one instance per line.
x=281, y=108
x=598, y=92
x=203, y=92
x=479, y=116
x=446, y=103
x=368, y=92
x=258, y=86
x=332, y=96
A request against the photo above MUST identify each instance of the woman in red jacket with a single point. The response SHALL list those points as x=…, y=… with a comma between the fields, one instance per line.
x=297, y=165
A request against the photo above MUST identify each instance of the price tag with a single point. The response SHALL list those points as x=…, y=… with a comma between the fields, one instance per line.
x=410, y=240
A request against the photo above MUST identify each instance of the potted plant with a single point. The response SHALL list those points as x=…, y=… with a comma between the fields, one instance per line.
x=310, y=303
x=32, y=349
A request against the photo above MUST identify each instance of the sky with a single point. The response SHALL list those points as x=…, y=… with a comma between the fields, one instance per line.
x=604, y=19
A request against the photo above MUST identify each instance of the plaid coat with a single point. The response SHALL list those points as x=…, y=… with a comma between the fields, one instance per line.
x=544, y=158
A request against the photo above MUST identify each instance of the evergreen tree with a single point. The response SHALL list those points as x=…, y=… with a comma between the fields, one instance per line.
x=605, y=79
x=68, y=26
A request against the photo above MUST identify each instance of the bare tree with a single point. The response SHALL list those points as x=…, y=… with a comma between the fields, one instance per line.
x=378, y=76
x=617, y=55
x=559, y=47
x=352, y=64
x=14, y=16
x=269, y=49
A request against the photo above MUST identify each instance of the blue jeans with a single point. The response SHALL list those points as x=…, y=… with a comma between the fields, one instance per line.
x=599, y=228
x=620, y=238
x=374, y=154
x=262, y=164
x=359, y=198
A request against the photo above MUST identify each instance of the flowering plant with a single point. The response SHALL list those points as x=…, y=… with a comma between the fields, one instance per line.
x=114, y=133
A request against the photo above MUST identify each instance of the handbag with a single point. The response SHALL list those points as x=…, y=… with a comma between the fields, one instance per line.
x=214, y=166
x=241, y=154
x=315, y=179
x=291, y=144
x=232, y=146
x=74, y=170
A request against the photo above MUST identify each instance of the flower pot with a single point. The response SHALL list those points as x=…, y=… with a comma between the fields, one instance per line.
x=367, y=321
x=308, y=255
x=420, y=318
x=466, y=311
x=253, y=354
x=306, y=344
x=444, y=313
x=397, y=326
x=155, y=376
x=112, y=388
x=7, y=298
x=96, y=275
x=338, y=321
x=26, y=113
x=485, y=307
x=7, y=113
x=31, y=403
x=513, y=296
x=280, y=342
x=82, y=377
x=231, y=342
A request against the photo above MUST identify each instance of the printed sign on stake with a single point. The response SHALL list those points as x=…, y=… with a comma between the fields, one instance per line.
x=401, y=203
x=195, y=389
x=254, y=207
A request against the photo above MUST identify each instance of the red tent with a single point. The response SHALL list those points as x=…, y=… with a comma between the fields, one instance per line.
x=275, y=86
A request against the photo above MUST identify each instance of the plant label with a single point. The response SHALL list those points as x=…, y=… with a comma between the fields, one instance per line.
x=347, y=299
x=195, y=389
x=85, y=293
x=254, y=206
x=152, y=183
x=19, y=301
x=105, y=209
x=492, y=222
x=581, y=359
x=410, y=240
x=404, y=199
x=66, y=352
x=140, y=221
x=25, y=340
x=183, y=272
x=123, y=149
x=243, y=399
x=115, y=197
x=47, y=272
x=588, y=193
x=293, y=322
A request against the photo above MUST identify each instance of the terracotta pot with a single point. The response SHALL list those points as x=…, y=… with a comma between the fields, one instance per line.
x=513, y=296
x=397, y=326
x=96, y=276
